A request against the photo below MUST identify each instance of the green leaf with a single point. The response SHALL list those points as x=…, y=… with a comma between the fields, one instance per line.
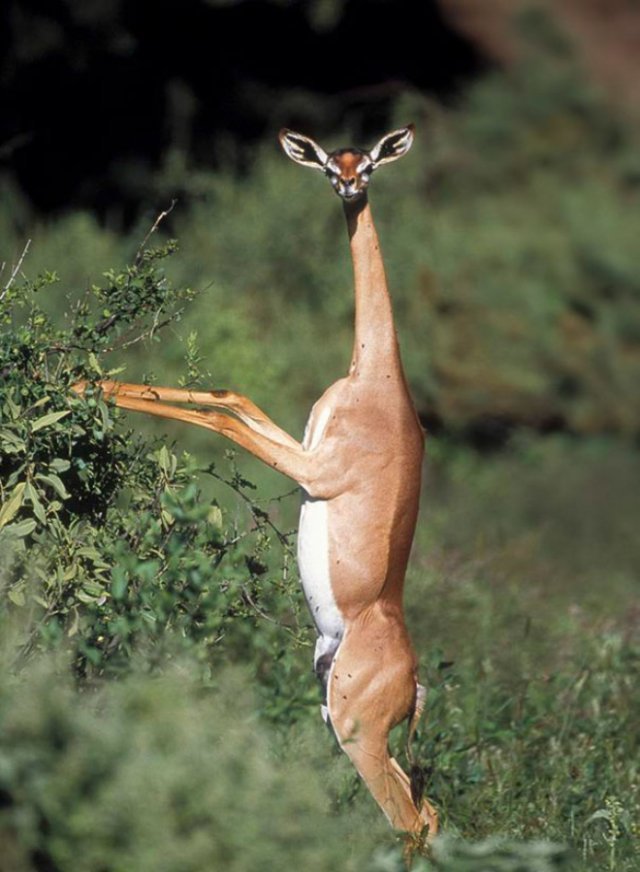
x=13, y=504
x=86, y=598
x=8, y=436
x=93, y=588
x=17, y=597
x=46, y=420
x=164, y=460
x=214, y=517
x=94, y=556
x=70, y=572
x=75, y=625
x=56, y=483
x=93, y=363
x=602, y=814
x=91, y=553
x=31, y=493
x=14, y=409
x=104, y=414
x=60, y=465
x=111, y=373
x=41, y=402
x=21, y=529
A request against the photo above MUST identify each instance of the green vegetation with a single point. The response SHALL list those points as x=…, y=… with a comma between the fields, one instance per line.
x=157, y=709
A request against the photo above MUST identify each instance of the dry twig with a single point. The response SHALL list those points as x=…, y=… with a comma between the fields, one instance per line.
x=153, y=229
x=15, y=271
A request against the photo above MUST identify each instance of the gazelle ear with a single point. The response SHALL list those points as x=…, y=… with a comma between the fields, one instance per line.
x=392, y=146
x=302, y=149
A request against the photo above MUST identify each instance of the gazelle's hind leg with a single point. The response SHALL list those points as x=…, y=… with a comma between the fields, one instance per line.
x=414, y=718
x=372, y=687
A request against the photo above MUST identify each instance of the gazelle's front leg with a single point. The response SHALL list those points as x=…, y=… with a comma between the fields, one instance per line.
x=257, y=434
x=241, y=406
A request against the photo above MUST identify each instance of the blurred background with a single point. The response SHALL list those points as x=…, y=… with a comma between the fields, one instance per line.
x=511, y=235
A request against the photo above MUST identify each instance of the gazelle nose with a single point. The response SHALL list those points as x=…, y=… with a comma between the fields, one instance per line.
x=350, y=181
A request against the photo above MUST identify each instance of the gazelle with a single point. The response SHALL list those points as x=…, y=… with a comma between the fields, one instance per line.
x=359, y=467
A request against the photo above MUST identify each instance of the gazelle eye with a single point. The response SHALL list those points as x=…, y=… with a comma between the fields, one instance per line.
x=334, y=180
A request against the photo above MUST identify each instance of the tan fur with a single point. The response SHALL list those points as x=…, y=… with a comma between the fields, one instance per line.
x=348, y=163
x=367, y=467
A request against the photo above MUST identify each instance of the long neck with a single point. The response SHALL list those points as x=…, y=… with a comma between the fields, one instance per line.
x=375, y=343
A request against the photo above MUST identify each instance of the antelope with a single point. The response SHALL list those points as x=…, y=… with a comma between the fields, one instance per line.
x=359, y=468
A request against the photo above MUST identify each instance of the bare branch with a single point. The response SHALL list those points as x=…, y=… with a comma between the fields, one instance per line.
x=155, y=226
x=16, y=270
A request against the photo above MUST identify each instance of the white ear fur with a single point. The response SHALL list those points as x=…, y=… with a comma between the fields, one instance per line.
x=392, y=146
x=302, y=149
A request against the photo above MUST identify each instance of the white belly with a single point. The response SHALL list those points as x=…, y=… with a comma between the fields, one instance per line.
x=313, y=563
x=313, y=551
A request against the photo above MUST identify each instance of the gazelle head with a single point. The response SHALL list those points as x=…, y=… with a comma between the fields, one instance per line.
x=348, y=169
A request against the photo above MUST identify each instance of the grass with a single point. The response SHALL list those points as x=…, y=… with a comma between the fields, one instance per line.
x=525, y=592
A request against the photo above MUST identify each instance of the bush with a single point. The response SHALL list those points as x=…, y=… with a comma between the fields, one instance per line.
x=107, y=543
x=160, y=776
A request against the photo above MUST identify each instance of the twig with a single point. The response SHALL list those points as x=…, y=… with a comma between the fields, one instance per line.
x=280, y=498
x=258, y=515
x=16, y=270
x=256, y=607
x=155, y=226
x=123, y=342
x=262, y=614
